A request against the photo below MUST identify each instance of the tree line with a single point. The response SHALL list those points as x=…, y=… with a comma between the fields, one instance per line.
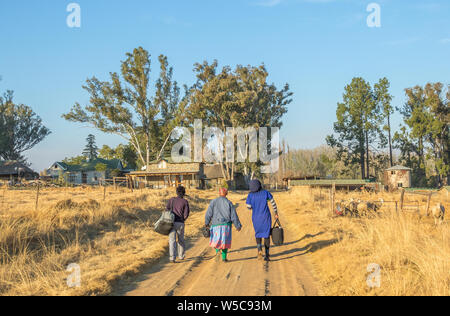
x=146, y=114
x=363, y=133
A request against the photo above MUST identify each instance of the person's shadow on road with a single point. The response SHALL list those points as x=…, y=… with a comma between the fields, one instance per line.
x=311, y=247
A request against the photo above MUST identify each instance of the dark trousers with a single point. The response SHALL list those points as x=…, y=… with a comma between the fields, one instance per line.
x=266, y=244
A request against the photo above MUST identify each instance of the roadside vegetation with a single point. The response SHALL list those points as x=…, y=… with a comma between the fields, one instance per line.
x=412, y=253
x=109, y=239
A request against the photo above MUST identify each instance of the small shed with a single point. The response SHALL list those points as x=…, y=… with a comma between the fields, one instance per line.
x=214, y=176
x=15, y=170
x=397, y=177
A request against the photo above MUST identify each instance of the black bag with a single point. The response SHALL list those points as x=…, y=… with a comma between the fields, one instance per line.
x=277, y=234
x=206, y=231
x=165, y=224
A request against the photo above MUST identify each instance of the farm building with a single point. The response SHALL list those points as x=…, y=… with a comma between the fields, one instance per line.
x=89, y=172
x=343, y=184
x=397, y=177
x=166, y=173
x=14, y=170
x=288, y=181
x=213, y=176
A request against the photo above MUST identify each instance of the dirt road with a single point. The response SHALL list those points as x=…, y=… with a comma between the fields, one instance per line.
x=244, y=275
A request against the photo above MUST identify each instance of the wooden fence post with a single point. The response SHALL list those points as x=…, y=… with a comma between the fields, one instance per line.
x=37, y=197
x=331, y=201
x=333, y=189
x=428, y=205
x=104, y=192
x=402, y=197
x=320, y=196
x=332, y=198
x=3, y=199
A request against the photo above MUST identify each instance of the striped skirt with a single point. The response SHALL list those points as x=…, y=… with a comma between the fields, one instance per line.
x=220, y=236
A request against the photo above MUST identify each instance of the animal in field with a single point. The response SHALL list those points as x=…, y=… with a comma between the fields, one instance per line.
x=349, y=207
x=368, y=208
x=438, y=213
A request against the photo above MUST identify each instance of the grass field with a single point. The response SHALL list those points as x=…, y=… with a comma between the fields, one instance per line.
x=109, y=239
x=112, y=239
x=413, y=254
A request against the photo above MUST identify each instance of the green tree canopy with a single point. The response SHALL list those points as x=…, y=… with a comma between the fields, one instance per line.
x=359, y=121
x=74, y=161
x=425, y=133
x=236, y=98
x=124, y=105
x=125, y=153
x=91, y=149
x=20, y=128
x=101, y=167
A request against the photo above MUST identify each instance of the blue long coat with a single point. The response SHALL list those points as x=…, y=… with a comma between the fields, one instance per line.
x=261, y=217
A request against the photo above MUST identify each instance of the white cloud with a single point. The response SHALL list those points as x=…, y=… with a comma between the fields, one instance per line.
x=445, y=40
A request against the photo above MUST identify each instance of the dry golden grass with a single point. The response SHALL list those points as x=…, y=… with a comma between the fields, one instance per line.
x=413, y=254
x=109, y=239
x=113, y=240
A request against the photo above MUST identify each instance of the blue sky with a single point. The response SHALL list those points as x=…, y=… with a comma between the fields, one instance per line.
x=317, y=46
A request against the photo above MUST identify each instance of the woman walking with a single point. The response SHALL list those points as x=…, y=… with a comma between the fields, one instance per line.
x=220, y=216
x=261, y=217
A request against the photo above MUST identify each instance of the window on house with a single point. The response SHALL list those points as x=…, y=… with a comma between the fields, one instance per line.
x=400, y=185
x=72, y=178
x=392, y=172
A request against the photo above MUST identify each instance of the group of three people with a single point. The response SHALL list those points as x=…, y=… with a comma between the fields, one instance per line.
x=220, y=217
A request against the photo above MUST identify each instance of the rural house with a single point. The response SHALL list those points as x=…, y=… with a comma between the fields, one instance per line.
x=397, y=177
x=15, y=170
x=166, y=173
x=89, y=172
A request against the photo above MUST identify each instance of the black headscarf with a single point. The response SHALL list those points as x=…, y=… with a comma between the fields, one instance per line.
x=255, y=186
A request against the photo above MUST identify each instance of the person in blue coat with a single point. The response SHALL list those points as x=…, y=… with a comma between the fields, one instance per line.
x=257, y=201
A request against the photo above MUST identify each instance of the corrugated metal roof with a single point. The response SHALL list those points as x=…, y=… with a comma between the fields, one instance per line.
x=90, y=165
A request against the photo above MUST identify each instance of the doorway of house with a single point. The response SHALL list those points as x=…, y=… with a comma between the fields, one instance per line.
x=84, y=178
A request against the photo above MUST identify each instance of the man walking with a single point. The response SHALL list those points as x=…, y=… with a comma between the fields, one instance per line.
x=179, y=206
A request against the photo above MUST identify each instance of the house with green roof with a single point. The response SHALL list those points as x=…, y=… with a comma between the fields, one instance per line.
x=88, y=172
